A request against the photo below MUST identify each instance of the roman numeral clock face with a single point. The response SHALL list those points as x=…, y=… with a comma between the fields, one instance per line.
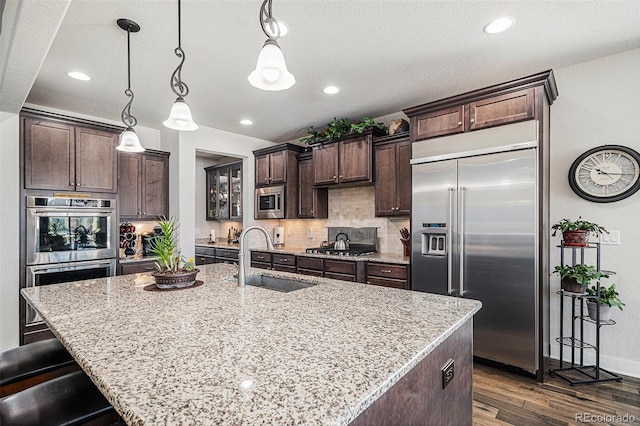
x=606, y=173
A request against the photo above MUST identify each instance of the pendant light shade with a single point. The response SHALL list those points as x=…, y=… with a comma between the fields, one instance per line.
x=129, y=141
x=180, y=117
x=271, y=70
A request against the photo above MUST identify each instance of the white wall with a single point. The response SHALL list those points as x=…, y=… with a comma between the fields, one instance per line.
x=9, y=218
x=598, y=104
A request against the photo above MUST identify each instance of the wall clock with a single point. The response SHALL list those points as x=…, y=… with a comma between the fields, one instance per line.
x=606, y=173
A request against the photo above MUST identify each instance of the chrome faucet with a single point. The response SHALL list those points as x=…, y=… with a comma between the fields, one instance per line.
x=241, y=251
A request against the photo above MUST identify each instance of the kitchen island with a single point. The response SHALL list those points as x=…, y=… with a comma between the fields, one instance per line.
x=333, y=353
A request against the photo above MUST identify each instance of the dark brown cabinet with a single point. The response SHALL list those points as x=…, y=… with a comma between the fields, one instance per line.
x=271, y=168
x=310, y=266
x=283, y=262
x=224, y=192
x=261, y=260
x=312, y=201
x=65, y=156
x=144, y=185
x=347, y=161
x=278, y=165
x=392, y=156
x=441, y=118
x=388, y=275
x=140, y=267
x=205, y=255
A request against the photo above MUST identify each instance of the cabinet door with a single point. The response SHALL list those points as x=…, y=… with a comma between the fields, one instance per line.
x=129, y=186
x=155, y=190
x=235, y=206
x=306, y=200
x=509, y=108
x=403, y=178
x=49, y=161
x=278, y=167
x=212, y=195
x=262, y=170
x=438, y=123
x=223, y=194
x=355, y=160
x=385, y=156
x=96, y=160
x=325, y=164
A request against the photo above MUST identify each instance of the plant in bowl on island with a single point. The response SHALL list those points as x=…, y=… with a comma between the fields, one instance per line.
x=174, y=270
x=576, y=233
x=576, y=278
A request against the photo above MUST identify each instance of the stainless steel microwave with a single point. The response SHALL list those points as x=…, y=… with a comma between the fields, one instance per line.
x=270, y=202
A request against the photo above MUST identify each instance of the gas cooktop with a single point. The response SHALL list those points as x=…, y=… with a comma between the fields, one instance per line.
x=353, y=250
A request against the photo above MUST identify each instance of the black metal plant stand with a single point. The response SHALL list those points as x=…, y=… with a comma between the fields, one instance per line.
x=576, y=373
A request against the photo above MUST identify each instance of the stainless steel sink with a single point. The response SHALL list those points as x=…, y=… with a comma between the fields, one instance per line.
x=277, y=284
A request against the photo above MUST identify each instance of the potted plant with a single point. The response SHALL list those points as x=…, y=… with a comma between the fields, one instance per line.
x=576, y=278
x=576, y=233
x=609, y=298
x=174, y=271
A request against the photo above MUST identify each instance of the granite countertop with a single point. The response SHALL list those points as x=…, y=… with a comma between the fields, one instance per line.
x=222, y=354
x=301, y=251
x=137, y=258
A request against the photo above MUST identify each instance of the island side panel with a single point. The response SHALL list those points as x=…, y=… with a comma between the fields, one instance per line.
x=419, y=399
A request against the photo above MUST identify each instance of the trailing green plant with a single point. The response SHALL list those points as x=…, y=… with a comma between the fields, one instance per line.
x=165, y=246
x=336, y=128
x=366, y=123
x=583, y=274
x=577, y=225
x=608, y=295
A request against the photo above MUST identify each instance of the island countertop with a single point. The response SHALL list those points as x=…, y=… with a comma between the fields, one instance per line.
x=221, y=354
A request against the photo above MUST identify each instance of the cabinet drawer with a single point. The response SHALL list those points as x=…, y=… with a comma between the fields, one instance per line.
x=343, y=277
x=257, y=256
x=311, y=272
x=283, y=268
x=207, y=251
x=204, y=260
x=283, y=259
x=137, y=267
x=261, y=265
x=227, y=254
x=310, y=263
x=387, y=282
x=386, y=270
x=340, y=266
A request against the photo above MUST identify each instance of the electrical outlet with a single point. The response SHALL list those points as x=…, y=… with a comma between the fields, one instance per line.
x=447, y=373
x=612, y=238
x=309, y=233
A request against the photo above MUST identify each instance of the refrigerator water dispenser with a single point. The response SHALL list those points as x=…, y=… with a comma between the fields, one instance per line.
x=434, y=244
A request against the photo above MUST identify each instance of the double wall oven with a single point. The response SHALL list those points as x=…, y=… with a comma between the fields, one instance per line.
x=68, y=239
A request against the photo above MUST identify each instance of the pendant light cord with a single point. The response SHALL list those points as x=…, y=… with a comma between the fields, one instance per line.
x=268, y=21
x=177, y=85
x=128, y=119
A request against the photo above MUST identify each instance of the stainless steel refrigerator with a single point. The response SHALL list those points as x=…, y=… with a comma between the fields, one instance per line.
x=475, y=233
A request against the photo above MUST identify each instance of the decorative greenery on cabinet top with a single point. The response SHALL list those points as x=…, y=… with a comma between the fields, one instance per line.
x=337, y=129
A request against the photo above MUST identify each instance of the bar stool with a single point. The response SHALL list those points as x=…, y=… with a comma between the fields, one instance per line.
x=34, y=363
x=67, y=400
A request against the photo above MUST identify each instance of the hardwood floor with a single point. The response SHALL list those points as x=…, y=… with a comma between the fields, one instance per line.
x=505, y=398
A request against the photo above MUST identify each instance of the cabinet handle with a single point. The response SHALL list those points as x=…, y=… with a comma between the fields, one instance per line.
x=72, y=184
x=335, y=177
x=311, y=211
x=459, y=123
x=266, y=179
x=77, y=184
x=472, y=120
x=144, y=213
x=340, y=176
x=385, y=271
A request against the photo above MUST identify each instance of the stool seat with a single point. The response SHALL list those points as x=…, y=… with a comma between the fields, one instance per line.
x=68, y=400
x=33, y=363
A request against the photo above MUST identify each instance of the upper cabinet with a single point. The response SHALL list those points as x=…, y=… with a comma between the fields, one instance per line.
x=144, y=185
x=224, y=192
x=312, y=201
x=276, y=165
x=66, y=156
x=393, y=175
x=505, y=103
x=346, y=161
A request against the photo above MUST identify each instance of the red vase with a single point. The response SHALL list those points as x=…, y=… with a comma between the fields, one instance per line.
x=576, y=238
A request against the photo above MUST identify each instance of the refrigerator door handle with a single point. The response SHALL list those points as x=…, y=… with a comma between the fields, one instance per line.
x=449, y=233
x=461, y=237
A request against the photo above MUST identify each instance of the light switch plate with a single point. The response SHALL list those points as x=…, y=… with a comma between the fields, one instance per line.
x=612, y=238
x=309, y=233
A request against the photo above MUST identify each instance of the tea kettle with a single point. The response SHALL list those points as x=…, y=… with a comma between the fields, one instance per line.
x=341, y=244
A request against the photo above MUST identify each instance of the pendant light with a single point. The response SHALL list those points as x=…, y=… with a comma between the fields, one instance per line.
x=129, y=141
x=180, y=115
x=271, y=71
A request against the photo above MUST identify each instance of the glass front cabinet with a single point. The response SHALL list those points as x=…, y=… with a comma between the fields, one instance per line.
x=224, y=192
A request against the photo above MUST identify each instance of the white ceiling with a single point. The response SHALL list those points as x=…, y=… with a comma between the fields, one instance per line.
x=384, y=55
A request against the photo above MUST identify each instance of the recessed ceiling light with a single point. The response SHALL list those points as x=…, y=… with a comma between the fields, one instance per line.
x=78, y=75
x=499, y=25
x=331, y=90
x=246, y=122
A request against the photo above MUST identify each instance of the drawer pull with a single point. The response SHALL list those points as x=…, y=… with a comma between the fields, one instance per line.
x=385, y=271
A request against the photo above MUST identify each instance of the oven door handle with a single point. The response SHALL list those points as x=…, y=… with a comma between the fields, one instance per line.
x=57, y=267
x=65, y=212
